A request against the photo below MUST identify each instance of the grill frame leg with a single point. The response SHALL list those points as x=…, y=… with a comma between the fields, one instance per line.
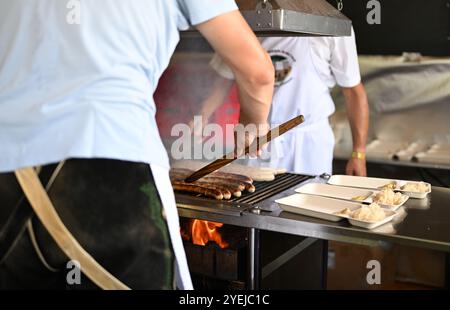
x=253, y=260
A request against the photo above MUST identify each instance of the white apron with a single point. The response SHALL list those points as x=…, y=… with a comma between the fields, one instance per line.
x=308, y=149
x=162, y=182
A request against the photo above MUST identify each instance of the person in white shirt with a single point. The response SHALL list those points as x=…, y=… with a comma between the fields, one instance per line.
x=79, y=90
x=306, y=69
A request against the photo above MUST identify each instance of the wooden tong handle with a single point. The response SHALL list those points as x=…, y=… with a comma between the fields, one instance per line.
x=271, y=134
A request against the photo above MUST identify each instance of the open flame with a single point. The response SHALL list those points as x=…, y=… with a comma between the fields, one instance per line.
x=203, y=231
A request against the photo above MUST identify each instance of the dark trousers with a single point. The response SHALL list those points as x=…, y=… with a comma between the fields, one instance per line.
x=114, y=211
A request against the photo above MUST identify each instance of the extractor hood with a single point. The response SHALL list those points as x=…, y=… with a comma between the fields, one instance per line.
x=294, y=18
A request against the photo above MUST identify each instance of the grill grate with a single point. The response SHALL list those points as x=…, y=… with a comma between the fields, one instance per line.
x=265, y=190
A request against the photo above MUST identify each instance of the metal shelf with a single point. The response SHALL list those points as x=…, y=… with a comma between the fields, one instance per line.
x=402, y=163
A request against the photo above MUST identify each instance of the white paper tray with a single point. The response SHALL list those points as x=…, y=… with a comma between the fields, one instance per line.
x=374, y=183
x=371, y=225
x=315, y=206
x=345, y=193
x=327, y=209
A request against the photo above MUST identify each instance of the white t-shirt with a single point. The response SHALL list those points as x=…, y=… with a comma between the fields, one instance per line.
x=77, y=77
x=334, y=58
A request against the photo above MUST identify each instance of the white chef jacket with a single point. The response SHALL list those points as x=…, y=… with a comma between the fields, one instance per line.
x=306, y=68
x=77, y=80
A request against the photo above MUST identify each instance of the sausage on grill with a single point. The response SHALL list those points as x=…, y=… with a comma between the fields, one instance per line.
x=213, y=179
x=233, y=188
x=223, y=189
x=197, y=189
x=227, y=184
x=231, y=176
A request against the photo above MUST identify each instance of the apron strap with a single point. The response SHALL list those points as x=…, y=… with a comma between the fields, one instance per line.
x=13, y=229
x=44, y=209
x=22, y=214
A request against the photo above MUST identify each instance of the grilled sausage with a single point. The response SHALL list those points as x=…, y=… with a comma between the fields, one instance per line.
x=227, y=183
x=242, y=185
x=197, y=189
x=233, y=185
x=214, y=179
x=250, y=188
x=226, y=193
x=233, y=188
x=231, y=176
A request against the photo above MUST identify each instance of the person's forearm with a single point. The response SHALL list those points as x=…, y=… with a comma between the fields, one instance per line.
x=255, y=83
x=255, y=98
x=358, y=115
x=234, y=41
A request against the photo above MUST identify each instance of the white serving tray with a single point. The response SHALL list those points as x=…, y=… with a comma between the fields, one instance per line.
x=387, y=229
x=342, y=192
x=371, y=225
x=327, y=209
x=374, y=183
x=316, y=206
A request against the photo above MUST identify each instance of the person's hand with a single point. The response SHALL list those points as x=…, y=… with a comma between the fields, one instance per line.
x=357, y=167
x=246, y=137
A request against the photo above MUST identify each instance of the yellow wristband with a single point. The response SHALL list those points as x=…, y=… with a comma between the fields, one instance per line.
x=358, y=155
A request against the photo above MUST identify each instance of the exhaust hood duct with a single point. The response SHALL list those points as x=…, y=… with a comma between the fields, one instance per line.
x=294, y=18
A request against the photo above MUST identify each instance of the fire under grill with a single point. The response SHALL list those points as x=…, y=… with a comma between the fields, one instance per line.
x=235, y=265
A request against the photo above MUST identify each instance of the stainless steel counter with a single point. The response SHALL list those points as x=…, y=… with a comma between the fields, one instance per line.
x=421, y=223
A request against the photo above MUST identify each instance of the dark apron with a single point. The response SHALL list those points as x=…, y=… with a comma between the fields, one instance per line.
x=111, y=207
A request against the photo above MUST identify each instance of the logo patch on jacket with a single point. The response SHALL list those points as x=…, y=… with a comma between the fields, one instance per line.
x=283, y=63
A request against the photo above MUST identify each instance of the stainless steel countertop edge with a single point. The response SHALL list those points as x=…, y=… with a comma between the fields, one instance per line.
x=311, y=229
